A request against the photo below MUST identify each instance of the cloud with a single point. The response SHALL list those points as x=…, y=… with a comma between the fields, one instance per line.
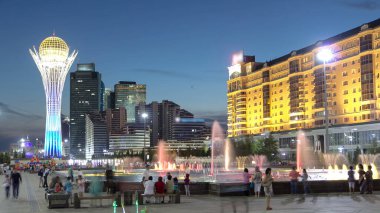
x=7, y=110
x=364, y=5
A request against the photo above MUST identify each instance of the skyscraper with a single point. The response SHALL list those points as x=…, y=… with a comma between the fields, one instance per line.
x=129, y=95
x=53, y=61
x=85, y=97
x=161, y=117
x=108, y=99
x=96, y=135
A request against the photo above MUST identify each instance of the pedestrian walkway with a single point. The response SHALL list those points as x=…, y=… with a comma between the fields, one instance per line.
x=31, y=200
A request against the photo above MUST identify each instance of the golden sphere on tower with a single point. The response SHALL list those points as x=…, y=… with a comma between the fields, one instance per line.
x=53, y=48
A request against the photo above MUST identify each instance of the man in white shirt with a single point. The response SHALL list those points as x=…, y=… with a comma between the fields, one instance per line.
x=149, y=188
x=146, y=174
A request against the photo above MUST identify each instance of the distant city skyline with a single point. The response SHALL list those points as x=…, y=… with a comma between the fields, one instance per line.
x=180, y=51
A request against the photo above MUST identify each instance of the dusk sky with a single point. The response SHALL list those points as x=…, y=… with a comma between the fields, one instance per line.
x=179, y=49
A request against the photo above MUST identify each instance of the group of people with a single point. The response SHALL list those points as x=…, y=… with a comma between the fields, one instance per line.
x=169, y=185
x=12, y=178
x=56, y=184
x=294, y=175
x=365, y=180
x=258, y=180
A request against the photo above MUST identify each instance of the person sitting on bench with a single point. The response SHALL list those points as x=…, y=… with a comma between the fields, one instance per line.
x=159, y=187
x=149, y=188
x=169, y=187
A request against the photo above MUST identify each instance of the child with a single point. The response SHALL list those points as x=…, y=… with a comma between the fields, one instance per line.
x=175, y=181
x=7, y=185
x=187, y=184
x=69, y=187
x=351, y=180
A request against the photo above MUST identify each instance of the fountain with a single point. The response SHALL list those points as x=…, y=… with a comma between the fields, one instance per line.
x=217, y=143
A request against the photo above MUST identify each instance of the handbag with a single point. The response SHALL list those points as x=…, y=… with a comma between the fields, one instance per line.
x=252, y=185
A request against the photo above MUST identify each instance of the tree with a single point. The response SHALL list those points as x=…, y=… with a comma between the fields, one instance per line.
x=257, y=147
x=270, y=148
x=7, y=158
x=14, y=155
x=1, y=157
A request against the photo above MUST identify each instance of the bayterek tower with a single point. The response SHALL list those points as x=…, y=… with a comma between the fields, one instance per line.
x=53, y=61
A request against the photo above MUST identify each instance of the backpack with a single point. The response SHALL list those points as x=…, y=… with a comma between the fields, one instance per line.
x=40, y=173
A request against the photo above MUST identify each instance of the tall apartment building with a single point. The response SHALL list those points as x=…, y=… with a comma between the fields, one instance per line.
x=96, y=135
x=286, y=94
x=85, y=90
x=129, y=95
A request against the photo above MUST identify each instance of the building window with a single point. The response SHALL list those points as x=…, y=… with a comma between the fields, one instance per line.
x=345, y=101
x=366, y=42
x=344, y=73
x=346, y=120
x=345, y=92
x=345, y=83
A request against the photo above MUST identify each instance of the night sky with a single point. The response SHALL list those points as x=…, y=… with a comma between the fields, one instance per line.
x=179, y=48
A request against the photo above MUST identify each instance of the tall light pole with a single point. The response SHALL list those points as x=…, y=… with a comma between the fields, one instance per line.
x=144, y=116
x=325, y=55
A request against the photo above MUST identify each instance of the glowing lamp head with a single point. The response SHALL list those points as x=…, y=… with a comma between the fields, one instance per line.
x=325, y=55
x=144, y=115
x=53, y=49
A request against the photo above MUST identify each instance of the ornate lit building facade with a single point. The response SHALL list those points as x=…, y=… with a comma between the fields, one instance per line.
x=286, y=94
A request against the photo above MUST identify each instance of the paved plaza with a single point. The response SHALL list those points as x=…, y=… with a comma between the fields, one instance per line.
x=32, y=200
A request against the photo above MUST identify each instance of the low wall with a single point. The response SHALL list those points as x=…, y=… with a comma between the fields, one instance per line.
x=237, y=189
x=332, y=186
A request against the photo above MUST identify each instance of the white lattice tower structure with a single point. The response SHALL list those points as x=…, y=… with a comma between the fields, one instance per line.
x=53, y=61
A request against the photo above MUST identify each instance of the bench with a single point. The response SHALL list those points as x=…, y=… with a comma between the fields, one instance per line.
x=58, y=200
x=175, y=198
x=116, y=197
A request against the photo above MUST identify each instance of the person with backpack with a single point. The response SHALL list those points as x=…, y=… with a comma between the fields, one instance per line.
x=257, y=179
x=41, y=174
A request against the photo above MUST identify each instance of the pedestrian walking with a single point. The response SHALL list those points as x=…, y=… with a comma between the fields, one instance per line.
x=257, y=179
x=46, y=174
x=16, y=180
x=187, y=184
x=246, y=178
x=7, y=185
x=40, y=176
x=293, y=180
x=305, y=182
x=362, y=183
x=267, y=184
x=351, y=180
x=369, y=180
x=70, y=173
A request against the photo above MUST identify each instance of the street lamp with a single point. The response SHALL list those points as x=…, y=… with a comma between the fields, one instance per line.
x=325, y=55
x=144, y=116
